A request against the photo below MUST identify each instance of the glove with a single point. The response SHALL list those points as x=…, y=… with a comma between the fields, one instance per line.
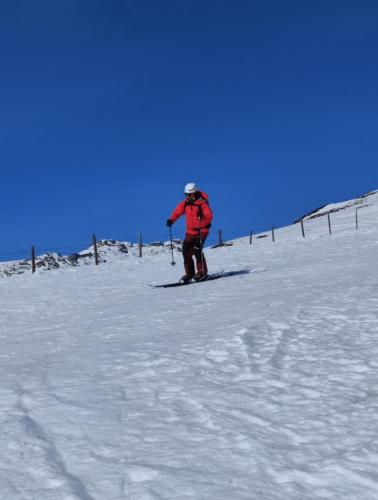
x=169, y=223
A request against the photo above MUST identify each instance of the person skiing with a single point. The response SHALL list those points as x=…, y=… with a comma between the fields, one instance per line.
x=198, y=221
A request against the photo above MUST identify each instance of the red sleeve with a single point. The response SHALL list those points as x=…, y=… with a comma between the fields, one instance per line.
x=207, y=215
x=178, y=211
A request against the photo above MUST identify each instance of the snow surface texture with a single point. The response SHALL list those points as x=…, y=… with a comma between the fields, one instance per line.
x=256, y=386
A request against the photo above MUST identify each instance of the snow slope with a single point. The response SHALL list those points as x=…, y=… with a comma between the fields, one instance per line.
x=357, y=203
x=257, y=386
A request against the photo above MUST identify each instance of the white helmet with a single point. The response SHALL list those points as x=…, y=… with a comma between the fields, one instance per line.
x=190, y=188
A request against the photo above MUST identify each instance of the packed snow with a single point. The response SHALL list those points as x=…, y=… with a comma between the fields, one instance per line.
x=261, y=385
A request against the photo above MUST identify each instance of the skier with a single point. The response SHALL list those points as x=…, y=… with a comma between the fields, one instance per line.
x=198, y=221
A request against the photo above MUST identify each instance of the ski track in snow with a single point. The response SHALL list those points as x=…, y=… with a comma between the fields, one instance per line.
x=258, y=386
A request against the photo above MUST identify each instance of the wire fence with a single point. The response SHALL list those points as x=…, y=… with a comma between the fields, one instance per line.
x=216, y=238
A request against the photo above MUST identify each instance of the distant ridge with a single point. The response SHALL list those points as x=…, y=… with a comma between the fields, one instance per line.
x=107, y=249
x=335, y=207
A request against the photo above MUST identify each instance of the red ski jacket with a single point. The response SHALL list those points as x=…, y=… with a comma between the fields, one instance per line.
x=198, y=215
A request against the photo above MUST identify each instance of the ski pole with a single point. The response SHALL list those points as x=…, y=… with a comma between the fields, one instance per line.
x=201, y=247
x=173, y=263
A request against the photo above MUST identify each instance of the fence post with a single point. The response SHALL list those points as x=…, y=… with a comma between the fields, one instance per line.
x=140, y=245
x=329, y=224
x=273, y=238
x=250, y=237
x=220, y=237
x=303, y=231
x=356, y=218
x=33, y=259
x=95, y=249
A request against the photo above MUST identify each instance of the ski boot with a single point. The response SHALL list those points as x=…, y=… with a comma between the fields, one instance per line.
x=200, y=277
x=186, y=279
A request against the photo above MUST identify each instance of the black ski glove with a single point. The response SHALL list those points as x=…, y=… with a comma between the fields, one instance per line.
x=169, y=223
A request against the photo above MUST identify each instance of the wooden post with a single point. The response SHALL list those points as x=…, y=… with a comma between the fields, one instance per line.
x=220, y=237
x=329, y=224
x=250, y=237
x=95, y=249
x=302, y=226
x=273, y=238
x=33, y=259
x=140, y=245
x=356, y=218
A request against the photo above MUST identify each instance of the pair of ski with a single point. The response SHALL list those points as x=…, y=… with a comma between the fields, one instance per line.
x=210, y=277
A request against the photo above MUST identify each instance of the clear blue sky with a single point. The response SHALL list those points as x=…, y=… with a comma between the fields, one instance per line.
x=109, y=107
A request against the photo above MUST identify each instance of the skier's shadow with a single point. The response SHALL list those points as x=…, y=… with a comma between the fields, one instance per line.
x=234, y=273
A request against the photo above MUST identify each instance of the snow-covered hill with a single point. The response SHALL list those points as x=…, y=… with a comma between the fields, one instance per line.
x=108, y=251
x=360, y=202
x=262, y=385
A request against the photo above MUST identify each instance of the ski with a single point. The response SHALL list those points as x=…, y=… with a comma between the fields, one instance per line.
x=210, y=277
